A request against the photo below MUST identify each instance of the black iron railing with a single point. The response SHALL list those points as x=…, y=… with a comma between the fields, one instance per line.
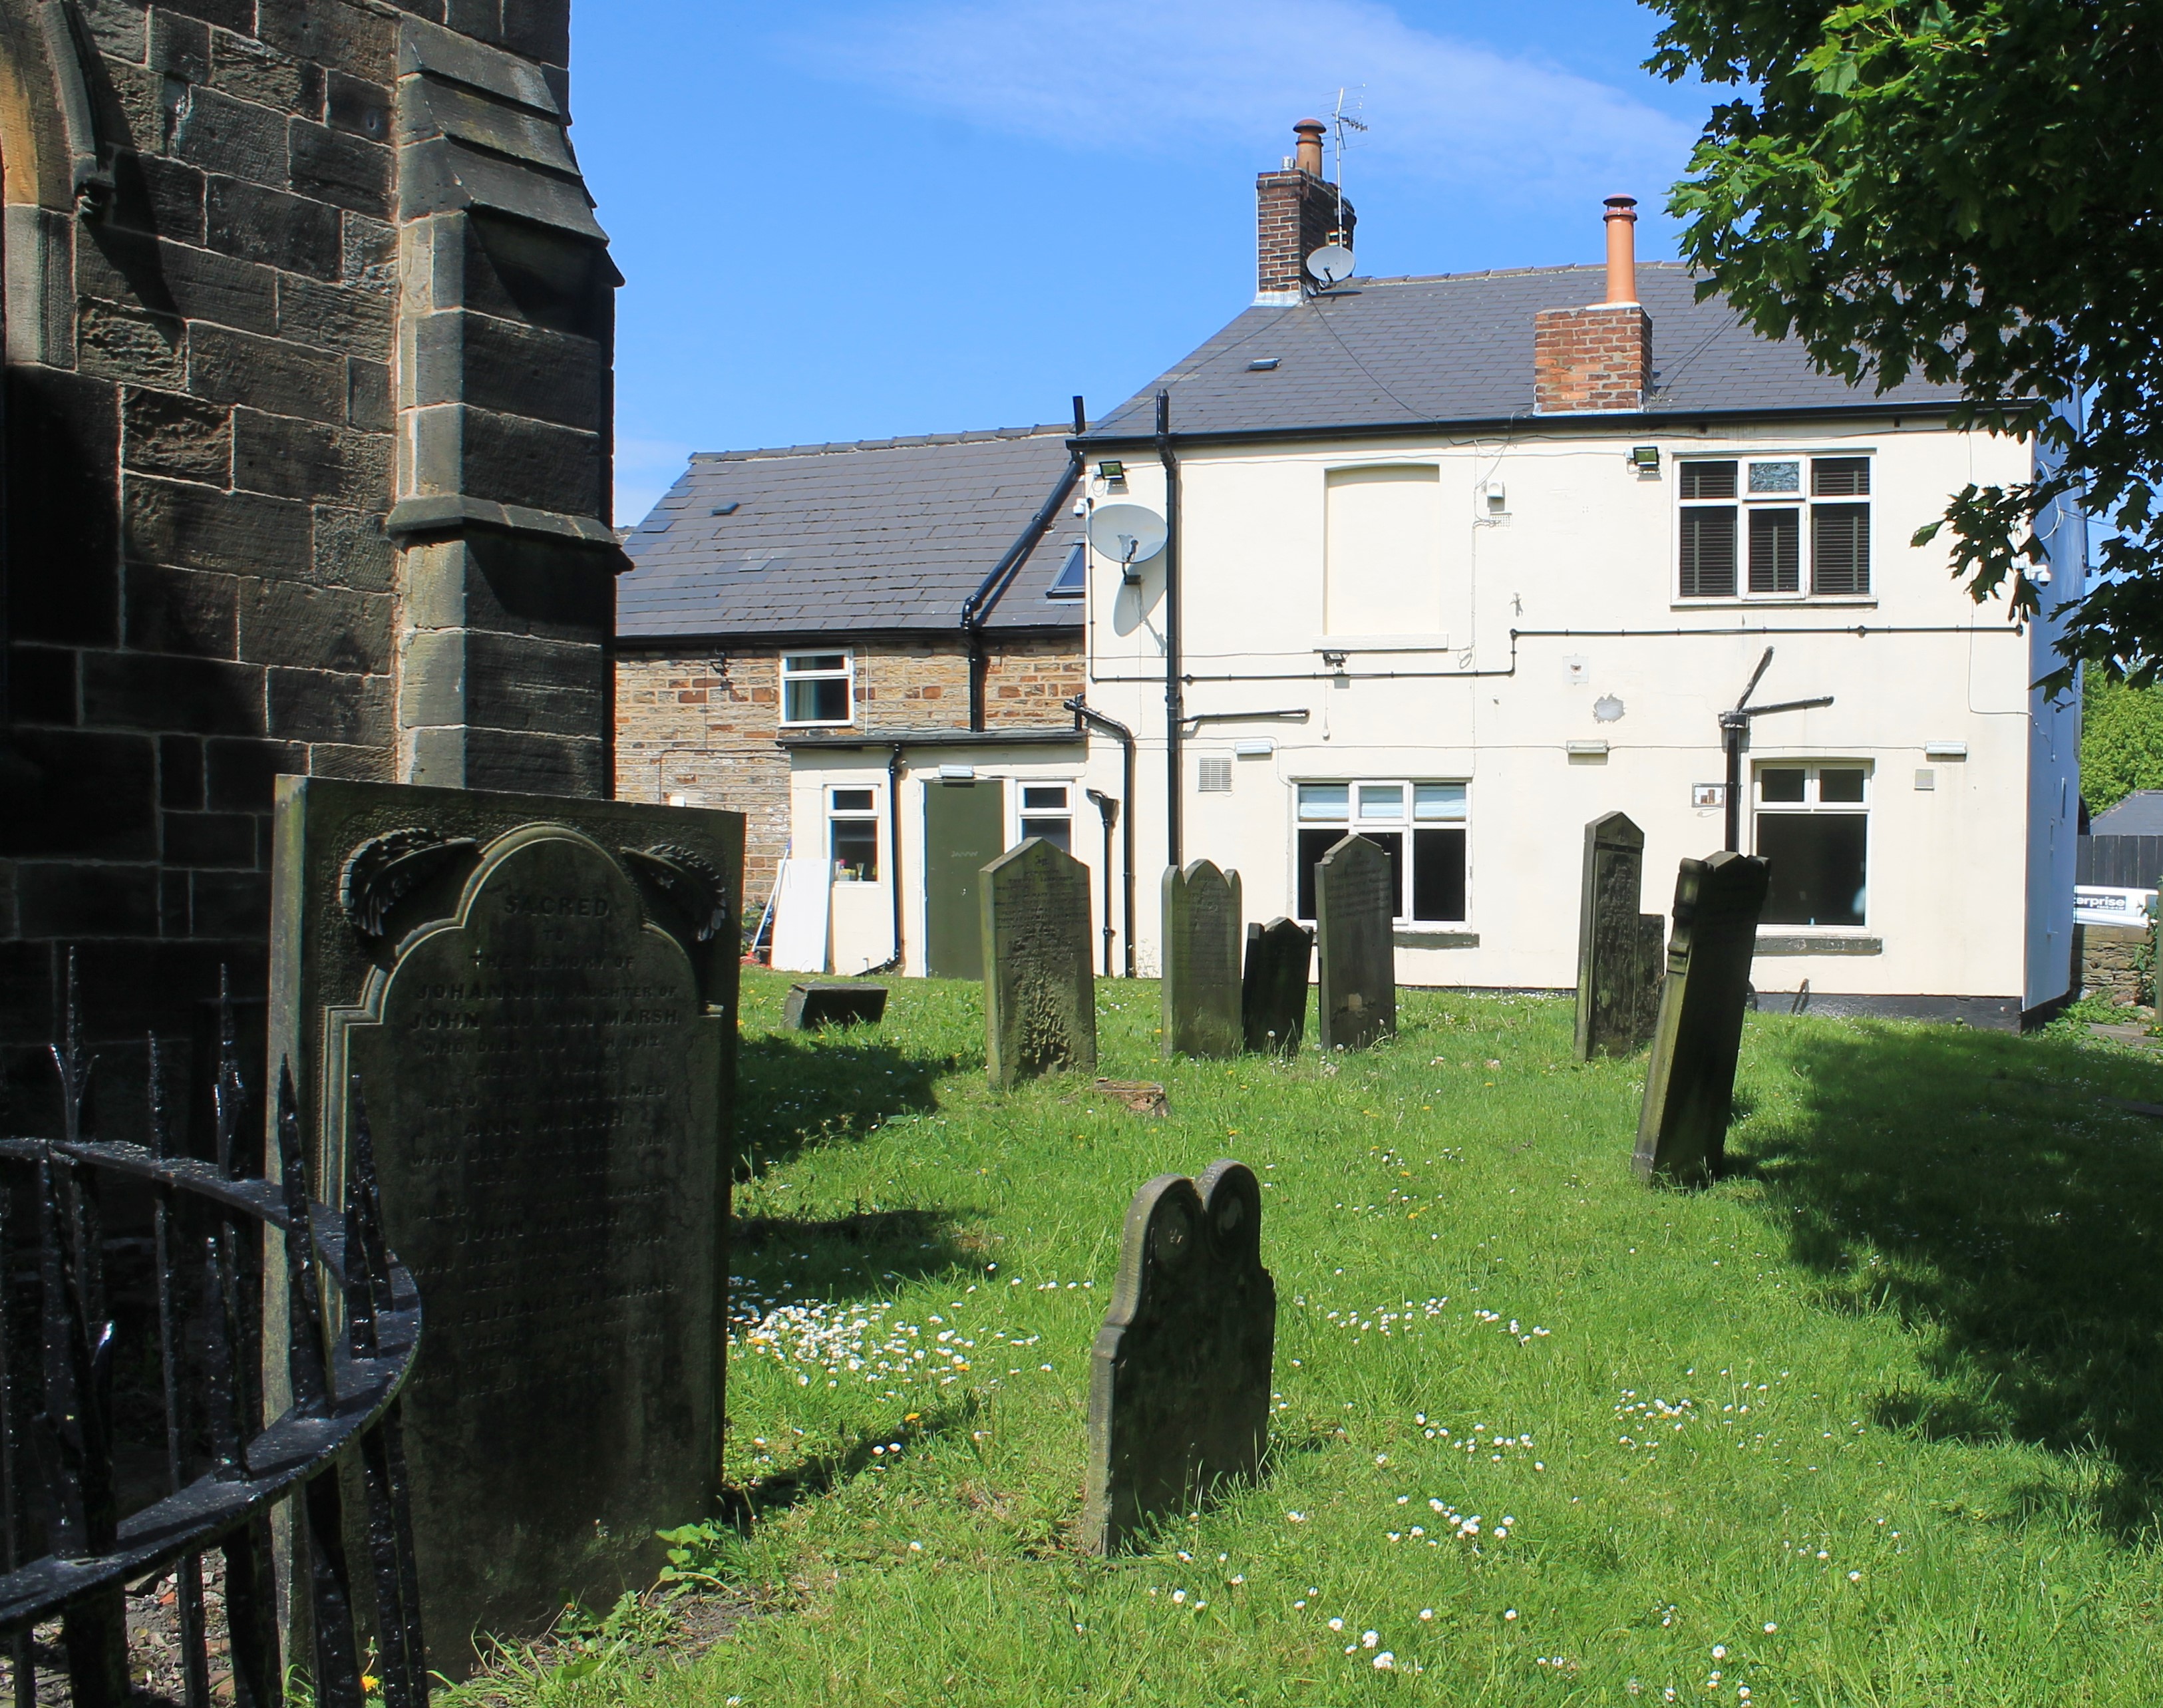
x=72, y=1383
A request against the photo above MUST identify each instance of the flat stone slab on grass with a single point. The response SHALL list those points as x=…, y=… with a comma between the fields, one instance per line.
x=811, y=1008
x=1179, y=1391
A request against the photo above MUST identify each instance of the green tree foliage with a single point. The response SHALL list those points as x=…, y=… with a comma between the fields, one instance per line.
x=2121, y=741
x=1967, y=190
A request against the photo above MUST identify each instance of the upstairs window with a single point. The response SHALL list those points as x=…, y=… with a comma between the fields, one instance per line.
x=816, y=687
x=1757, y=527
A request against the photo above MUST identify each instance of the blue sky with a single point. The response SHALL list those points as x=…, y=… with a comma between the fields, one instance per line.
x=844, y=220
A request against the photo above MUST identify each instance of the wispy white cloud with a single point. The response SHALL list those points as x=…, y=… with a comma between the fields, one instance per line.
x=1130, y=77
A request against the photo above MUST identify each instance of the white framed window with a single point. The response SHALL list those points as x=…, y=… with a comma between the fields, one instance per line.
x=1047, y=810
x=1756, y=527
x=852, y=835
x=1811, y=826
x=1072, y=580
x=1422, y=826
x=818, y=688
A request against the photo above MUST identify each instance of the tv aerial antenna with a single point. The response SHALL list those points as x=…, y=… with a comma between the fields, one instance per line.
x=1333, y=264
x=1734, y=726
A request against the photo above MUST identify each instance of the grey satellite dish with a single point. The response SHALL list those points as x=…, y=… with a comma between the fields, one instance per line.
x=1128, y=534
x=1332, y=263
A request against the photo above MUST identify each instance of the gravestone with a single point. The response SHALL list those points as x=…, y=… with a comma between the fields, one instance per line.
x=1273, y=995
x=1355, y=905
x=1200, y=990
x=1618, y=948
x=1040, y=994
x=1179, y=1379
x=812, y=1007
x=538, y=998
x=1689, y=1082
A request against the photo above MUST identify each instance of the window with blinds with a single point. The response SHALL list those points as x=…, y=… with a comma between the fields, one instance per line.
x=1754, y=528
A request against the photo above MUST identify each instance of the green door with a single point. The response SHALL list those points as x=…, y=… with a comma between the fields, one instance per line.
x=965, y=829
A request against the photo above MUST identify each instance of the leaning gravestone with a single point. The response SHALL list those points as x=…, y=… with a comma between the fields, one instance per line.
x=1200, y=984
x=1179, y=1380
x=1273, y=995
x=1689, y=1082
x=1355, y=913
x=1039, y=993
x=537, y=998
x=1618, y=948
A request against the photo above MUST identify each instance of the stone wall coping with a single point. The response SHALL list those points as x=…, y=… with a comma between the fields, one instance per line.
x=447, y=512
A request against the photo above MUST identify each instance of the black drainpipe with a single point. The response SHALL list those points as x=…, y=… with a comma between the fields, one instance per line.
x=976, y=609
x=1125, y=737
x=1174, y=706
x=893, y=854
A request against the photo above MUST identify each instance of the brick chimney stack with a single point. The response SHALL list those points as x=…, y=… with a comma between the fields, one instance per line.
x=1297, y=211
x=1598, y=359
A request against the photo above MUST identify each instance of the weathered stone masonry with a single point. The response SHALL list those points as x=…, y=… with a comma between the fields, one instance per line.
x=705, y=725
x=308, y=441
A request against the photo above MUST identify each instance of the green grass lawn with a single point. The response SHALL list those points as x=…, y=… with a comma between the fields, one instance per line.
x=1877, y=1420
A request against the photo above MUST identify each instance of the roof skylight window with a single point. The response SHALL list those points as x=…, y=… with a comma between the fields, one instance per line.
x=1263, y=364
x=1072, y=580
x=729, y=509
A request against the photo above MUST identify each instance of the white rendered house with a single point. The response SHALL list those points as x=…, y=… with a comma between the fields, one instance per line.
x=1466, y=562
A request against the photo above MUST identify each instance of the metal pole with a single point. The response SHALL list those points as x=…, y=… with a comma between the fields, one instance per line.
x=1731, y=726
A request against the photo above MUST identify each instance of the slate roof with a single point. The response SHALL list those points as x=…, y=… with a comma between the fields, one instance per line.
x=885, y=534
x=1458, y=347
x=2140, y=813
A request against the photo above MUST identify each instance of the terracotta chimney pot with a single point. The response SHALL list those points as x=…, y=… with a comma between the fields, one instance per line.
x=1307, y=156
x=1622, y=249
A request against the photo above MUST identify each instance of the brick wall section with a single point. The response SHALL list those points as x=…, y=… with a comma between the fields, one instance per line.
x=1296, y=213
x=200, y=464
x=705, y=725
x=1598, y=357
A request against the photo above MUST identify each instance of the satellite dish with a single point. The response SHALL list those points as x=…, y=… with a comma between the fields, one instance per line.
x=1332, y=263
x=1127, y=533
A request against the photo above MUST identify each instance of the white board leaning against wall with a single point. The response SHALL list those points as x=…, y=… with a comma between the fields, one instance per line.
x=803, y=897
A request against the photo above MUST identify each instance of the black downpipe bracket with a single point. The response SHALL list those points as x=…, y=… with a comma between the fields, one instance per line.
x=1174, y=695
x=1125, y=737
x=976, y=609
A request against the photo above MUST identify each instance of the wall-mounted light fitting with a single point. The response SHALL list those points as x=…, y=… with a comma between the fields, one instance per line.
x=1112, y=468
x=1645, y=458
x=957, y=773
x=1334, y=661
x=1945, y=750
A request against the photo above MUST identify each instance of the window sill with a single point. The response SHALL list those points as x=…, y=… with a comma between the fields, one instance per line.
x=837, y=723
x=1769, y=601
x=1799, y=943
x=1428, y=939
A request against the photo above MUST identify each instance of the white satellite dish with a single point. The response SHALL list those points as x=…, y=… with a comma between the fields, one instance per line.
x=1127, y=533
x=1332, y=263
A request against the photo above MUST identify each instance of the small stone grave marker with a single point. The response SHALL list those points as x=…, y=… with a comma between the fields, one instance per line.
x=1689, y=1082
x=1039, y=993
x=1273, y=995
x=1200, y=984
x=1618, y=948
x=811, y=1008
x=1179, y=1389
x=1355, y=905
x=538, y=996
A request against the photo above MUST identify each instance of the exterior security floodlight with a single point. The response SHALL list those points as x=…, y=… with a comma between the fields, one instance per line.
x=1645, y=458
x=1112, y=468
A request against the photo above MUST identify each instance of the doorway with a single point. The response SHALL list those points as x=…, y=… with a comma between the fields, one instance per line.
x=965, y=825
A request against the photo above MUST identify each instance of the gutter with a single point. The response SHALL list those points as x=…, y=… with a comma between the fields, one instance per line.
x=976, y=608
x=1174, y=696
x=1638, y=422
